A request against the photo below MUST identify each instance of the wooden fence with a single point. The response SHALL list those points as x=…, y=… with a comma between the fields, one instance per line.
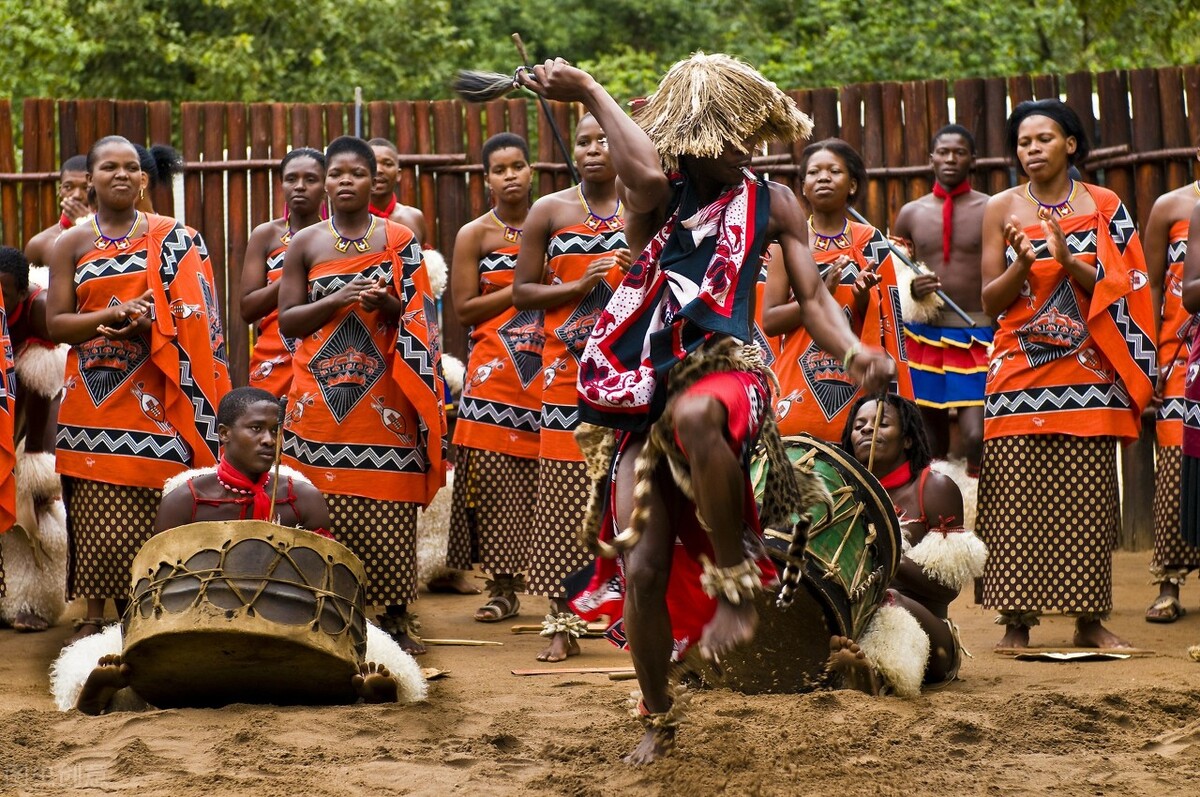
x=1144, y=144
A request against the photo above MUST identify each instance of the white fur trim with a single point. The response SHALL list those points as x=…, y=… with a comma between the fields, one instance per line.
x=39, y=275
x=897, y=646
x=923, y=311
x=954, y=558
x=36, y=579
x=180, y=479
x=76, y=662
x=40, y=370
x=956, y=469
x=382, y=649
x=455, y=372
x=435, y=267
x=433, y=533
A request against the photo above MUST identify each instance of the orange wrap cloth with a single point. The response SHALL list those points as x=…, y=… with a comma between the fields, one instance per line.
x=271, y=360
x=137, y=411
x=815, y=392
x=366, y=416
x=1174, y=339
x=1068, y=363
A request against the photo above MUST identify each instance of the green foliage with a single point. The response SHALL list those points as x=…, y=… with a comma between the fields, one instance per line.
x=319, y=50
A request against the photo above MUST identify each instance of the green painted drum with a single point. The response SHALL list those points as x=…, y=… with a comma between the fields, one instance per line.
x=852, y=554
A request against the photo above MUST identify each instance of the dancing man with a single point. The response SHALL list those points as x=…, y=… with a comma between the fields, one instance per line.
x=683, y=313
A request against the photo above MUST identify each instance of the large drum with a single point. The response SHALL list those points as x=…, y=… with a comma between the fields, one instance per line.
x=853, y=551
x=244, y=612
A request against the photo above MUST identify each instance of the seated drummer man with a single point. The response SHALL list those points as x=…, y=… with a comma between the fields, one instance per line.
x=239, y=488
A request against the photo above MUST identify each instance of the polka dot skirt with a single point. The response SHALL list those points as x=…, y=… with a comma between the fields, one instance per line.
x=1171, y=552
x=556, y=551
x=492, y=516
x=383, y=534
x=1049, y=514
x=108, y=525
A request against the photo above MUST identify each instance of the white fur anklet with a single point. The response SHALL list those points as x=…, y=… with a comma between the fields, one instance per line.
x=736, y=584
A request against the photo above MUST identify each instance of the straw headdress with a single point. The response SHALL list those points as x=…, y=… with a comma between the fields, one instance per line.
x=708, y=101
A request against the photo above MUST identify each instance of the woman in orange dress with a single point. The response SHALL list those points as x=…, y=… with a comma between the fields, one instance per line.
x=303, y=172
x=499, y=414
x=128, y=292
x=573, y=255
x=366, y=420
x=815, y=391
x=1070, y=374
x=1166, y=249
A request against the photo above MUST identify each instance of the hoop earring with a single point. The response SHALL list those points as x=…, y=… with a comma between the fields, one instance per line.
x=142, y=193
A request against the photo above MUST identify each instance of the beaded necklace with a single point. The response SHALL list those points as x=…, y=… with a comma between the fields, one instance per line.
x=122, y=242
x=1051, y=210
x=594, y=221
x=362, y=243
x=511, y=234
x=826, y=242
x=286, y=238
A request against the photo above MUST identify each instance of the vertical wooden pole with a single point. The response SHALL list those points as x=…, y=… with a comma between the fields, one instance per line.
x=237, y=332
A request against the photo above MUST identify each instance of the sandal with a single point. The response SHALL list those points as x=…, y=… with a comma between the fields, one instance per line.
x=1165, y=610
x=499, y=607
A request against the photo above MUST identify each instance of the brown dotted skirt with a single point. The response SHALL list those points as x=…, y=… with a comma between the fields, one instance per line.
x=492, y=515
x=383, y=534
x=1049, y=514
x=107, y=525
x=1171, y=551
x=556, y=551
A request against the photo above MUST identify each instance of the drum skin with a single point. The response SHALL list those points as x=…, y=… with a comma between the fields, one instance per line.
x=852, y=555
x=244, y=612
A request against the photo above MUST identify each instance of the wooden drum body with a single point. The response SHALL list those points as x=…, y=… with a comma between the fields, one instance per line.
x=853, y=552
x=244, y=612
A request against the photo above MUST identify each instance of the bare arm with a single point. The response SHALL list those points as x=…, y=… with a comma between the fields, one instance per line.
x=311, y=510
x=63, y=321
x=781, y=314
x=1191, y=266
x=259, y=297
x=175, y=509
x=1001, y=282
x=530, y=291
x=469, y=304
x=634, y=156
x=943, y=508
x=413, y=219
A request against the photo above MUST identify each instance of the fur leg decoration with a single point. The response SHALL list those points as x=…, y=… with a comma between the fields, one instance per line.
x=382, y=649
x=35, y=550
x=917, y=311
x=665, y=722
x=435, y=267
x=76, y=662
x=898, y=648
x=599, y=446
x=40, y=369
x=738, y=584
x=563, y=623
x=1027, y=619
x=952, y=557
x=433, y=534
x=454, y=372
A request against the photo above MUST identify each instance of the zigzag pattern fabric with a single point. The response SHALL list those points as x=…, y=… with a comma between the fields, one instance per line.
x=137, y=411
x=1174, y=338
x=1059, y=351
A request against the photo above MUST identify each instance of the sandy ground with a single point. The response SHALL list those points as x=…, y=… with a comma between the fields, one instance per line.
x=1008, y=727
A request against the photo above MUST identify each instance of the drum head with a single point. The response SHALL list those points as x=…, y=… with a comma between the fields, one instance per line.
x=211, y=668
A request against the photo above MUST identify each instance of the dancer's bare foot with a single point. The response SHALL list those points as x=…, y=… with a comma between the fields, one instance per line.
x=110, y=675
x=455, y=583
x=374, y=683
x=1015, y=636
x=730, y=627
x=562, y=646
x=409, y=644
x=28, y=622
x=653, y=746
x=1093, y=634
x=847, y=660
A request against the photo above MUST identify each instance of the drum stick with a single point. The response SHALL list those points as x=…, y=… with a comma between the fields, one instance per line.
x=278, y=457
x=879, y=402
x=473, y=643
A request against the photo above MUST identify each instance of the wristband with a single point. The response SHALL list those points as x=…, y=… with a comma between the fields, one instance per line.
x=851, y=353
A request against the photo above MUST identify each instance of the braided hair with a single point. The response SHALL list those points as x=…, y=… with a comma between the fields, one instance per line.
x=919, y=453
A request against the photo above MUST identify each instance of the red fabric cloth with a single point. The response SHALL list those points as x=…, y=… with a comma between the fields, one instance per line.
x=897, y=478
x=386, y=213
x=65, y=222
x=745, y=397
x=232, y=477
x=947, y=198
